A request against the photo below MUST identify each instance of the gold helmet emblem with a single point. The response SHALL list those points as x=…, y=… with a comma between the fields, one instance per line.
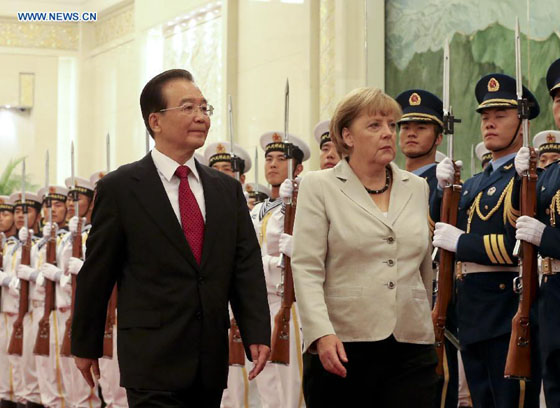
x=493, y=85
x=414, y=99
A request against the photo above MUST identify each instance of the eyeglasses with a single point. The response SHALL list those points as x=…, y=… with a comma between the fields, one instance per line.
x=190, y=109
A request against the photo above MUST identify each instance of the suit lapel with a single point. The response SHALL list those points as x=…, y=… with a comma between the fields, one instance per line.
x=213, y=199
x=400, y=193
x=355, y=191
x=150, y=193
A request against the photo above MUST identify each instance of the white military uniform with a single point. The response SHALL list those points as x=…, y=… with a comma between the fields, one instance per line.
x=278, y=385
x=10, y=375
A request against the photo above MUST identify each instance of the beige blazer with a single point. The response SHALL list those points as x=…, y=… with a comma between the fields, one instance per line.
x=358, y=273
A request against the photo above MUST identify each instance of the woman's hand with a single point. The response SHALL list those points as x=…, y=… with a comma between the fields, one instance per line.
x=332, y=354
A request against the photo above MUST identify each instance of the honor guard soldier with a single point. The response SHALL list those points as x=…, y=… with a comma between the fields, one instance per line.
x=548, y=144
x=78, y=392
x=256, y=193
x=486, y=267
x=28, y=391
x=279, y=385
x=49, y=371
x=8, y=301
x=483, y=154
x=328, y=157
x=420, y=133
x=544, y=232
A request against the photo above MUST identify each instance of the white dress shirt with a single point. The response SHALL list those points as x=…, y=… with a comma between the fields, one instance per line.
x=166, y=168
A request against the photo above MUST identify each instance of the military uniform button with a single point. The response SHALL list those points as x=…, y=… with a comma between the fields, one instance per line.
x=390, y=240
x=502, y=286
x=390, y=262
x=486, y=207
x=391, y=285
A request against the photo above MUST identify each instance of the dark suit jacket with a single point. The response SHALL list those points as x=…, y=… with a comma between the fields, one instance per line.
x=172, y=313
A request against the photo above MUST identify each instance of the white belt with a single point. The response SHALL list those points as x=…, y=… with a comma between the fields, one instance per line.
x=550, y=266
x=464, y=268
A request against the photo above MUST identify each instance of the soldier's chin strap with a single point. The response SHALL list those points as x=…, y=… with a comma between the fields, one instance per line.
x=512, y=139
x=427, y=152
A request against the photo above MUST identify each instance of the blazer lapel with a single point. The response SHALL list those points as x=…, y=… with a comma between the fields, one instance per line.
x=400, y=193
x=151, y=194
x=355, y=191
x=213, y=199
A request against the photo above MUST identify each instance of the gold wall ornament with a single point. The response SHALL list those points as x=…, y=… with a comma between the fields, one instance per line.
x=46, y=35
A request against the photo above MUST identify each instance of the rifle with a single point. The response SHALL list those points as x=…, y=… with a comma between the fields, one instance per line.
x=449, y=209
x=43, y=335
x=16, y=341
x=110, y=321
x=518, y=362
x=281, y=335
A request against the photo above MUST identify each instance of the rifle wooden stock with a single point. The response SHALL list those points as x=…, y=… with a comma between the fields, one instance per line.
x=43, y=335
x=518, y=362
x=281, y=335
x=109, y=325
x=16, y=340
x=236, y=350
x=65, y=349
x=449, y=209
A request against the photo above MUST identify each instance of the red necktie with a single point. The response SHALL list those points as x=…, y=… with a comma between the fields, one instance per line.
x=191, y=217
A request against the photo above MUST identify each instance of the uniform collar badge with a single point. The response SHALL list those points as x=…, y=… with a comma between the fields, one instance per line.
x=491, y=191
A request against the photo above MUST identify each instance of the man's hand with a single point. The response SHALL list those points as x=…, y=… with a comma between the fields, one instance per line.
x=86, y=367
x=522, y=160
x=446, y=236
x=332, y=354
x=529, y=229
x=260, y=354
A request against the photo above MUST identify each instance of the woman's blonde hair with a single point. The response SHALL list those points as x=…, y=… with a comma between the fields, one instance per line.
x=370, y=100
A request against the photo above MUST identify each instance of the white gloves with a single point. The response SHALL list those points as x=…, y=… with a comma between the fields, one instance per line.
x=246, y=195
x=47, y=229
x=24, y=272
x=50, y=272
x=24, y=234
x=287, y=188
x=66, y=283
x=445, y=172
x=74, y=265
x=529, y=229
x=522, y=160
x=73, y=224
x=285, y=244
x=14, y=286
x=446, y=236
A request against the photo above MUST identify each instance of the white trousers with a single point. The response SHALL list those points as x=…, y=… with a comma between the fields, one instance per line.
x=280, y=386
x=8, y=375
x=28, y=367
x=78, y=393
x=113, y=394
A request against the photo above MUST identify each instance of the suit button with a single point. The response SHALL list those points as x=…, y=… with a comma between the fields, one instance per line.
x=390, y=240
x=390, y=262
x=200, y=280
x=391, y=285
x=198, y=315
x=502, y=286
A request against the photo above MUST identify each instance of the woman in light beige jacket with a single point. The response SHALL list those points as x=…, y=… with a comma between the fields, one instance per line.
x=362, y=268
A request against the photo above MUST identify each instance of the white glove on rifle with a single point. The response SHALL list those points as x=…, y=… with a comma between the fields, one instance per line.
x=50, y=272
x=522, y=160
x=66, y=283
x=446, y=236
x=25, y=271
x=14, y=286
x=23, y=234
x=285, y=244
x=529, y=230
x=445, y=172
x=48, y=227
x=74, y=265
x=73, y=224
x=287, y=189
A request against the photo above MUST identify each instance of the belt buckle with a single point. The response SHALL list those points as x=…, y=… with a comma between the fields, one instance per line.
x=546, y=266
x=459, y=270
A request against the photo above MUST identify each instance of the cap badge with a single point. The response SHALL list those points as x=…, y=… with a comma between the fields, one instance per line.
x=414, y=99
x=52, y=190
x=491, y=191
x=493, y=85
x=220, y=148
x=550, y=138
x=249, y=188
x=276, y=137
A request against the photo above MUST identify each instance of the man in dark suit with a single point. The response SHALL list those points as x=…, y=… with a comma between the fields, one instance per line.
x=164, y=231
